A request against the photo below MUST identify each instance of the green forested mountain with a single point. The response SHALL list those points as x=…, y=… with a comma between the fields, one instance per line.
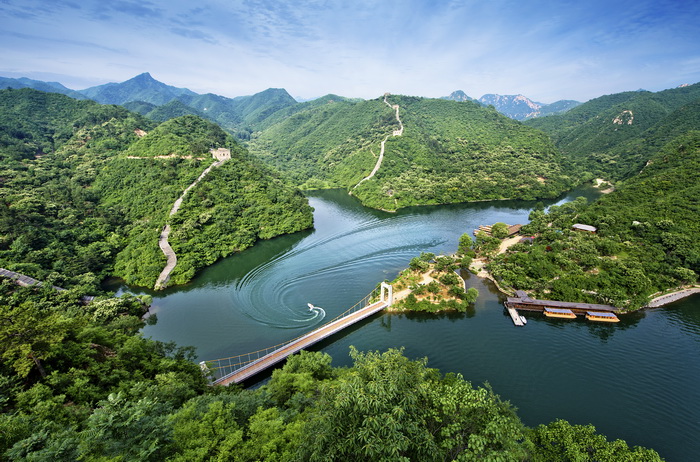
x=288, y=111
x=33, y=122
x=237, y=115
x=243, y=112
x=449, y=152
x=171, y=110
x=143, y=87
x=49, y=87
x=645, y=241
x=614, y=135
x=459, y=95
x=87, y=188
x=557, y=107
x=141, y=107
x=167, y=111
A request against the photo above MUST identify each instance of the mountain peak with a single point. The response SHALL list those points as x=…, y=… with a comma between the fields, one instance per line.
x=143, y=87
x=144, y=76
x=517, y=107
x=459, y=95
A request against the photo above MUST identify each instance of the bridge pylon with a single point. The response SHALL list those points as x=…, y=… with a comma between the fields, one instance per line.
x=387, y=294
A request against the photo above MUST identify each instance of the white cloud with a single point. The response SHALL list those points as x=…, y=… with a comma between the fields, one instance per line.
x=567, y=50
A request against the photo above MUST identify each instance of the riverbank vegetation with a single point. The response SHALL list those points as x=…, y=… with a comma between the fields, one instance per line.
x=431, y=284
x=87, y=188
x=645, y=240
x=77, y=382
x=449, y=152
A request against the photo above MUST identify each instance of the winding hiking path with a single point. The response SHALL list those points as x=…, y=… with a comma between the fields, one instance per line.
x=165, y=234
x=398, y=132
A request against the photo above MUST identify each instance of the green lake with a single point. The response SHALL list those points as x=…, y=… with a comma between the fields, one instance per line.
x=638, y=380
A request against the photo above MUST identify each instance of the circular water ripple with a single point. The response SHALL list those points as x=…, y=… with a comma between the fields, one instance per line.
x=276, y=292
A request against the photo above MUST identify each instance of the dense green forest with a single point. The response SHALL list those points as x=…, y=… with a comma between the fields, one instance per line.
x=646, y=238
x=614, y=135
x=77, y=382
x=87, y=189
x=449, y=152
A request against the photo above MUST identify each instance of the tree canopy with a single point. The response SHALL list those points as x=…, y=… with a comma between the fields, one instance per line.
x=449, y=152
x=87, y=188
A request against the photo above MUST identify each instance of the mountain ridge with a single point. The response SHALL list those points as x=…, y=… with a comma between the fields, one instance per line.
x=518, y=107
x=614, y=135
x=440, y=158
x=142, y=87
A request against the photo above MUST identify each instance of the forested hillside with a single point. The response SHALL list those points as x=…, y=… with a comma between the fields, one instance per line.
x=87, y=189
x=243, y=112
x=78, y=383
x=613, y=136
x=646, y=238
x=449, y=152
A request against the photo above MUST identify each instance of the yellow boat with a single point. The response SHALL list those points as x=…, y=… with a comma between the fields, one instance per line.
x=601, y=316
x=559, y=313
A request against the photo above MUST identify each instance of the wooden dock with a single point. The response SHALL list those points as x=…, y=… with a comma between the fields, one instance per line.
x=514, y=316
x=301, y=343
x=523, y=302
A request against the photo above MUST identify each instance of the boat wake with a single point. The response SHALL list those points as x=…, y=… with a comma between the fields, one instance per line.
x=317, y=313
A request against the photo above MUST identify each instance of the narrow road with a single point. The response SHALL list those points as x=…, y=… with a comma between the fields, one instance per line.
x=398, y=132
x=165, y=234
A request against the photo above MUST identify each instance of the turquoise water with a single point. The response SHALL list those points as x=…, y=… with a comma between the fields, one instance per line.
x=636, y=380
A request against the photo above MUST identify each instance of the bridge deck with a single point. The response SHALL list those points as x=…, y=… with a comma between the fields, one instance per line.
x=304, y=342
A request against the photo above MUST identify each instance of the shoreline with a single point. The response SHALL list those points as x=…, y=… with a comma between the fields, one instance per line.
x=477, y=268
x=656, y=302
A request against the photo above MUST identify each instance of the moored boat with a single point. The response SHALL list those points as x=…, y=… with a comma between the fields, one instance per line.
x=601, y=316
x=559, y=313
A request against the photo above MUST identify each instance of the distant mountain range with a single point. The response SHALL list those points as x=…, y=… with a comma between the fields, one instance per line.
x=159, y=101
x=49, y=87
x=516, y=107
x=143, y=87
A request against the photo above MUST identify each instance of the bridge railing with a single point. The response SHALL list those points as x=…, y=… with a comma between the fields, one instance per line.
x=222, y=367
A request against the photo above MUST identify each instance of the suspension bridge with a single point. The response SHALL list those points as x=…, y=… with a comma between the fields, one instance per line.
x=237, y=369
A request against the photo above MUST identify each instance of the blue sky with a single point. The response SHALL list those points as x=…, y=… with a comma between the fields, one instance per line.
x=546, y=50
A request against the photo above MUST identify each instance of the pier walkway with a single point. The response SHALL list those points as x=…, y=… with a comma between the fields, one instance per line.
x=237, y=369
x=523, y=302
x=515, y=316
